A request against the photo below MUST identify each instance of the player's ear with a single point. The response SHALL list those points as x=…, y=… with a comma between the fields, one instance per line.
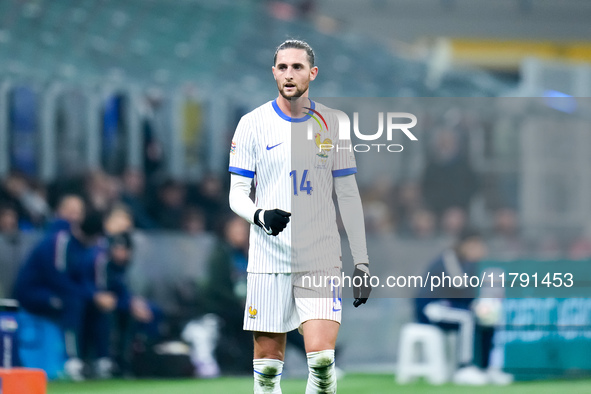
x=313, y=73
x=273, y=71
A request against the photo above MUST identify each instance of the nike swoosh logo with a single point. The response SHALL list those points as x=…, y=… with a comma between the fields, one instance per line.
x=271, y=147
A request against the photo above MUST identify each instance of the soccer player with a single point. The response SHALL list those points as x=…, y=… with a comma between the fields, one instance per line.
x=282, y=253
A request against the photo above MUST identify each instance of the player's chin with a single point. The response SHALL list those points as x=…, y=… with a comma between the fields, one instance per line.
x=291, y=94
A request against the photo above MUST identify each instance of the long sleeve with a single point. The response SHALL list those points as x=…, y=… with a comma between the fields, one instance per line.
x=352, y=214
x=117, y=283
x=240, y=201
x=47, y=266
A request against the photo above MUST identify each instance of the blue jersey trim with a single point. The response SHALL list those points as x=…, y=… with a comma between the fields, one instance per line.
x=344, y=171
x=241, y=171
x=289, y=118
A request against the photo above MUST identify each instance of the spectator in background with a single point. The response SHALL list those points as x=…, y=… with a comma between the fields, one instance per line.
x=108, y=333
x=101, y=191
x=169, y=207
x=448, y=180
x=226, y=293
x=29, y=201
x=10, y=189
x=423, y=225
x=8, y=221
x=134, y=196
x=194, y=221
x=36, y=202
x=49, y=283
x=118, y=220
x=210, y=197
x=10, y=247
x=378, y=218
x=453, y=308
x=378, y=207
x=453, y=222
x=506, y=242
x=227, y=270
x=409, y=201
x=69, y=212
x=382, y=189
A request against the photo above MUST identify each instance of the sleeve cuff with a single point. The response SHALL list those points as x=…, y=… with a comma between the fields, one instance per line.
x=344, y=171
x=241, y=171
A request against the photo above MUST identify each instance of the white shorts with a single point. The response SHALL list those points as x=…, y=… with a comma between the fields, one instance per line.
x=281, y=302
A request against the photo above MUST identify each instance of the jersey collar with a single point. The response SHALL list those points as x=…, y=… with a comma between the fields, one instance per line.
x=289, y=118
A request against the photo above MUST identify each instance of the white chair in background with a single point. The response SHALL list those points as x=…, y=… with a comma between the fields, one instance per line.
x=422, y=354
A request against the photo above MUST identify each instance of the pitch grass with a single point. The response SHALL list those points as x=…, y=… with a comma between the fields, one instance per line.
x=350, y=384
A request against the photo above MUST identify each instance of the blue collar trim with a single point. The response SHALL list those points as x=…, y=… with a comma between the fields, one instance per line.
x=289, y=118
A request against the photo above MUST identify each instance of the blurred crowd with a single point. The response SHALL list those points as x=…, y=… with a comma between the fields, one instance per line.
x=76, y=274
x=451, y=193
x=438, y=203
x=154, y=204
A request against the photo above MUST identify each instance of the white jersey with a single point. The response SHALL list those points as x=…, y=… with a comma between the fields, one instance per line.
x=293, y=174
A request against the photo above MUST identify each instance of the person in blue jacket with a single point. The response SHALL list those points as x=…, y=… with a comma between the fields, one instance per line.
x=450, y=307
x=49, y=283
x=107, y=332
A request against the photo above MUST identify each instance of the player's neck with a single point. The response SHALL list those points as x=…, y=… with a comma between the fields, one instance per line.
x=293, y=109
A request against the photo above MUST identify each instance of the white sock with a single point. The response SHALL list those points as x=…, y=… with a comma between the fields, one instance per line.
x=321, y=377
x=267, y=375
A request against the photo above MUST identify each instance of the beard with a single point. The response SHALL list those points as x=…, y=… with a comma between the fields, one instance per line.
x=291, y=96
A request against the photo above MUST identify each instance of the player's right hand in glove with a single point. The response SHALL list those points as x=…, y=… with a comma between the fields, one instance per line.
x=361, y=284
x=273, y=221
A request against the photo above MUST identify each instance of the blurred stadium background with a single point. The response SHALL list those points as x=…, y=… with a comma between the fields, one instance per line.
x=135, y=102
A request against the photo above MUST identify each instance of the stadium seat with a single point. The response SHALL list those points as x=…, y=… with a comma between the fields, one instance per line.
x=422, y=354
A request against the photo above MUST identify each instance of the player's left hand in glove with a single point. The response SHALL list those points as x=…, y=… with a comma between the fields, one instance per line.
x=361, y=277
x=273, y=221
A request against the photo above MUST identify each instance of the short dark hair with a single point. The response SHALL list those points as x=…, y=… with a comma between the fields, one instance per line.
x=297, y=44
x=468, y=233
x=92, y=225
x=122, y=239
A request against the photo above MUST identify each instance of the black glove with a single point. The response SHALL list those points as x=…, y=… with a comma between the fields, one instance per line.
x=275, y=220
x=361, y=293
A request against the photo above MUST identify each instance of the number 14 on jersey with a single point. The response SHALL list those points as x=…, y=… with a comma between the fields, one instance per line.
x=304, y=184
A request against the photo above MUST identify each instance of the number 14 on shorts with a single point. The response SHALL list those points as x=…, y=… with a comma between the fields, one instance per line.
x=305, y=185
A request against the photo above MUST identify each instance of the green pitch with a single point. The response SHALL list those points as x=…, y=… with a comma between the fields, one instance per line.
x=351, y=384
